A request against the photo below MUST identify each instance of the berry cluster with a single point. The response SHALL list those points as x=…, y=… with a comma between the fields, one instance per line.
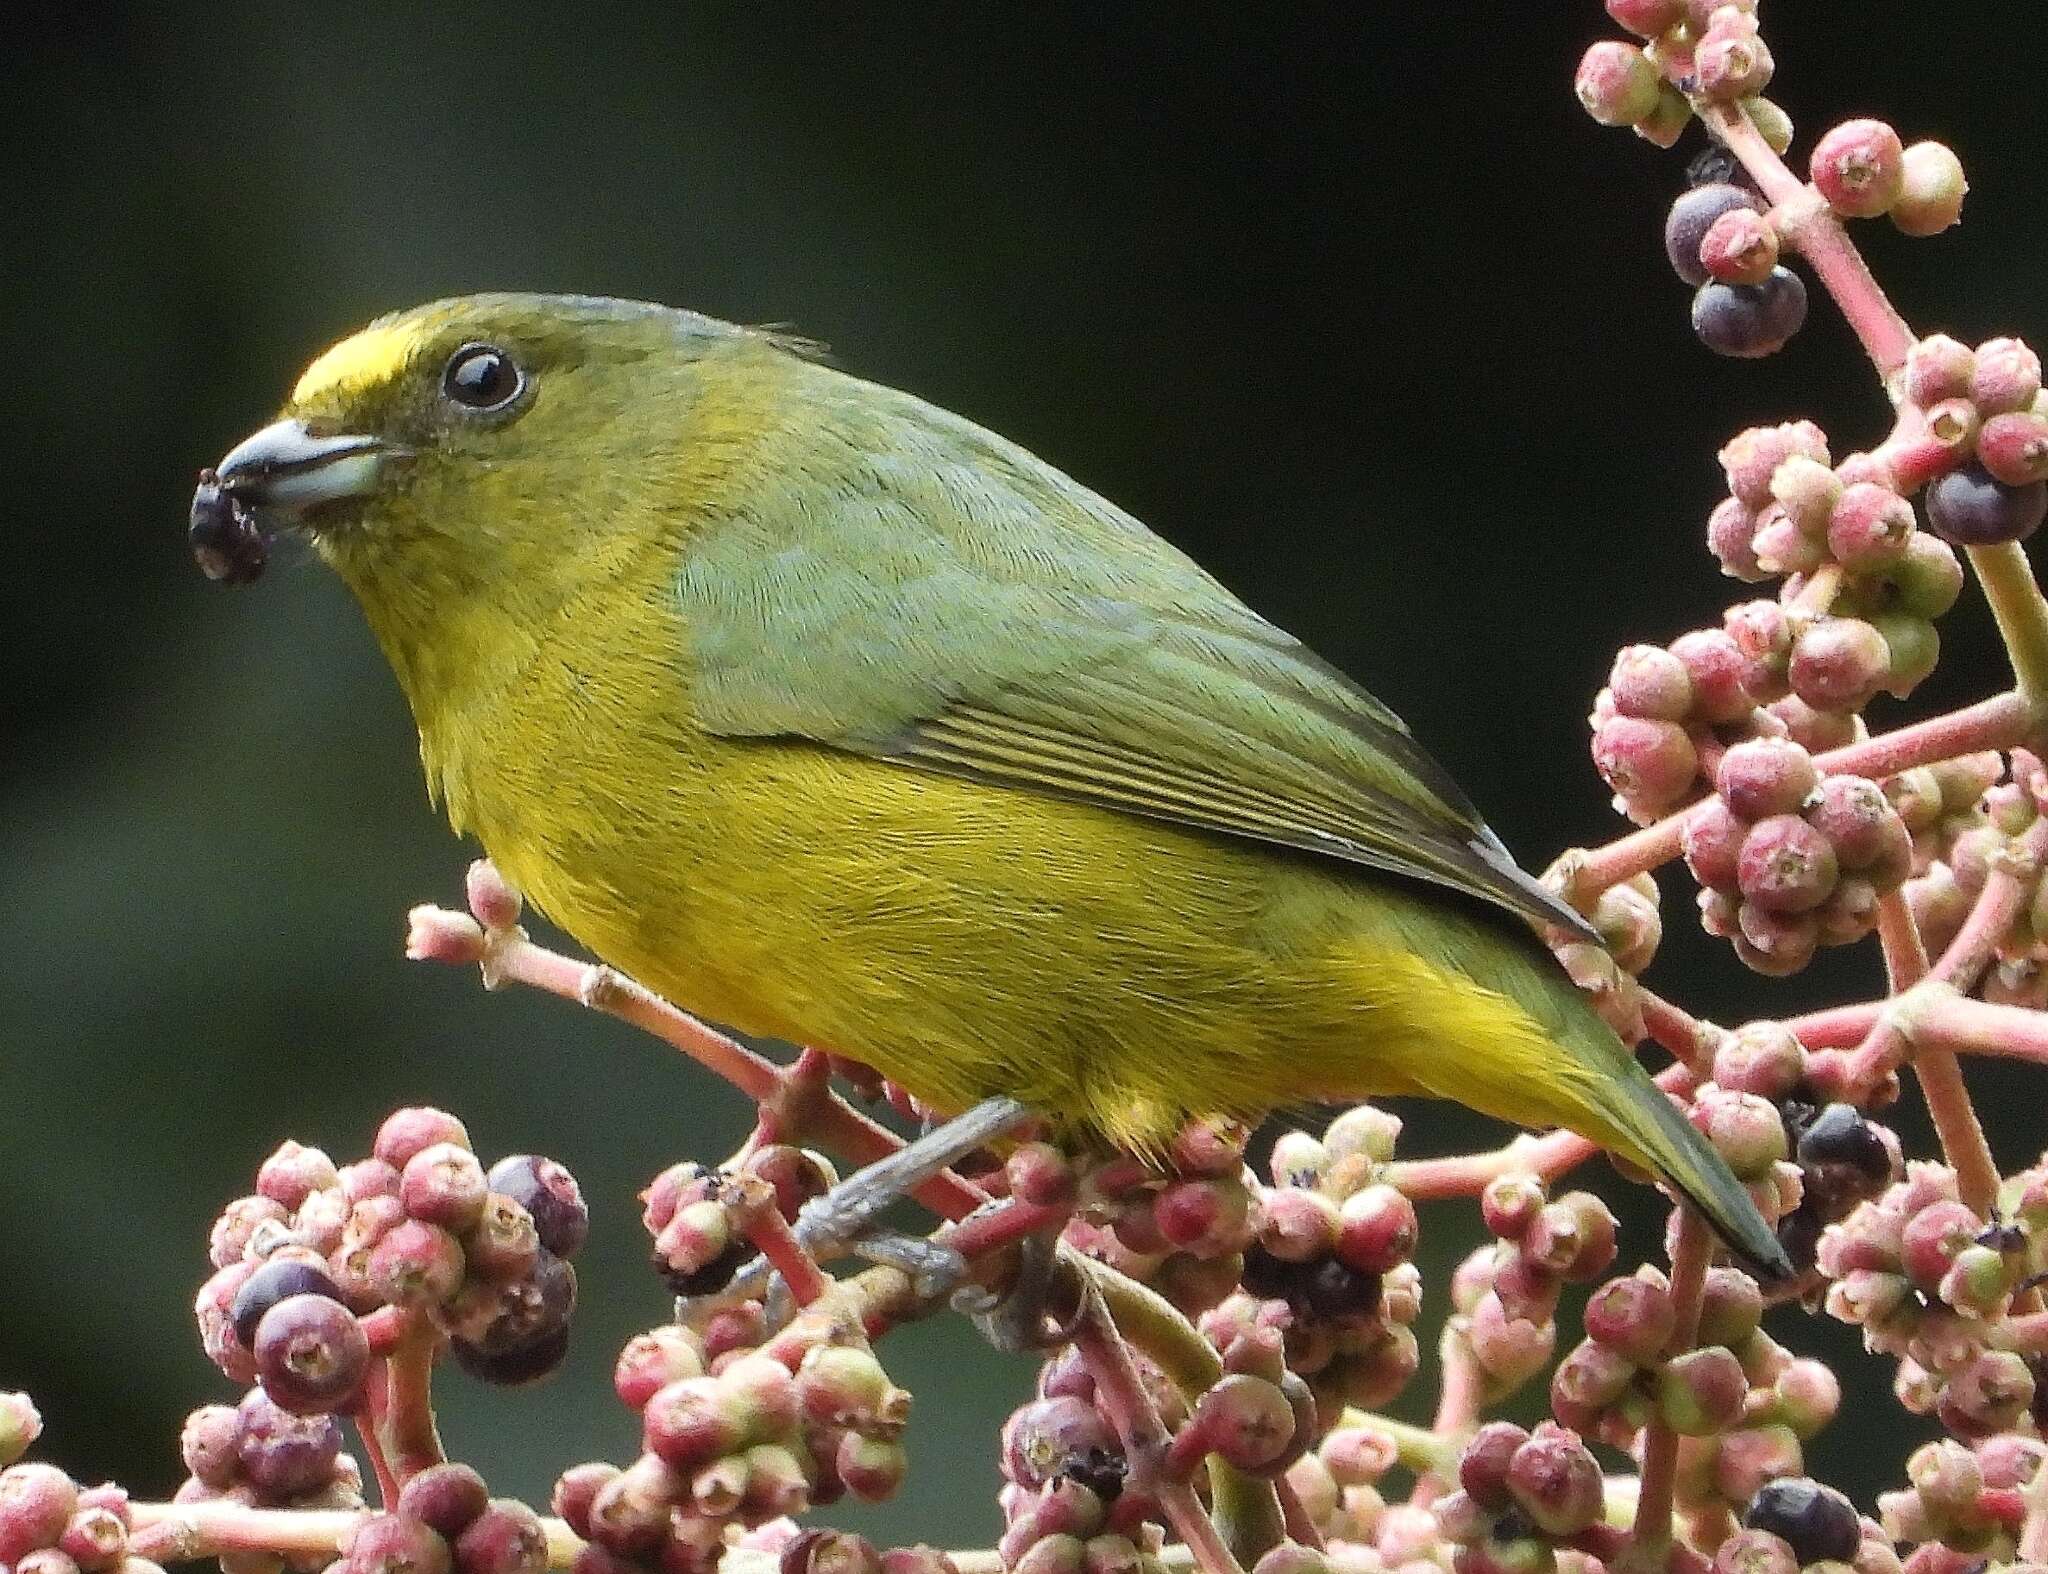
x=258, y=1454
x=50, y=1525
x=733, y=1437
x=1185, y=1230
x=1504, y=1297
x=421, y=1228
x=692, y=1212
x=1962, y=1505
x=1067, y=1502
x=1521, y=1496
x=1789, y=860
x=1969, y=816
x=1337, y=1485
x=446, y=1522
x=1328, y=1264
x=1928, y=1278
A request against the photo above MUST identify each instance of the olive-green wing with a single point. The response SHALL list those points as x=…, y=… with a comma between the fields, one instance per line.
x=932, y=595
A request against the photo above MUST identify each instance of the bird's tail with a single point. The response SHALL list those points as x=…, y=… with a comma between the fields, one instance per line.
x=1654, y=1132
x=1505, y=1032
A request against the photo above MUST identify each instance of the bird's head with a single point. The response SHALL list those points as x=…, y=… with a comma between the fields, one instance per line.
x=454, y=437
x=491, y=451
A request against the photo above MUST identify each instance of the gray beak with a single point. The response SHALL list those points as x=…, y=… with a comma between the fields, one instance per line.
x=286, y=467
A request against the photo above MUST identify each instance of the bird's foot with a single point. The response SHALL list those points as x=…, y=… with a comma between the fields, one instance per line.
x=842, y=1221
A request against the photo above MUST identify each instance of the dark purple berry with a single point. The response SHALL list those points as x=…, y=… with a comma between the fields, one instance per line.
x=529, y=1335
x=227, y=543
x=549, y=1192
x=1691, y=216
x=1970, y=508
x=1750, y=320
x=277, y=1279
x=311, y=1354
x=1816, y=1521
x=283, y=1455
x=1840, y=1135
x=1330, y=1289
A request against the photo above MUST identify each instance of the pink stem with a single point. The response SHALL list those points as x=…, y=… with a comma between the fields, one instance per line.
x=1997, y=723
x=1941, y=1078
x=1458, y=1405
x=400, y=1411
x=1689, y=1254
x=188, y=1532
x=1121, y=1393
x=799, y=1105
x=753, y=1200
x=1547, y=1157
x=1959, y=1024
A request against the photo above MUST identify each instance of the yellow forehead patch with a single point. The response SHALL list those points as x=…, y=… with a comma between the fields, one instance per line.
x=377, y=354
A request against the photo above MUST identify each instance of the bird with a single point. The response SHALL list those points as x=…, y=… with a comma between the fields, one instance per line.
x=837, y=718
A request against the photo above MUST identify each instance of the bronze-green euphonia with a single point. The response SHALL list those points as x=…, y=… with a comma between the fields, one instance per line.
x=836, y=718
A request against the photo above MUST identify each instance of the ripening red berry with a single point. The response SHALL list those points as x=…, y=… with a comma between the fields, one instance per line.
x=406, y=1131
x=1869, y=527
x=1712, y=841
x=1838, y=664
x=2005, y=376
x=1786, y=867
x=1740, y=247
x=1647, y=18
x=1859, y=167
x=1760, y=777
x=1616, y=83
x=1691, y=216
x=2013, y=447
x=1650, y=764
x=445, y=1498
x=1937, y=368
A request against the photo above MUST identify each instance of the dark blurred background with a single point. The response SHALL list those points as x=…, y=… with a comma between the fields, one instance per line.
x=1350, y=301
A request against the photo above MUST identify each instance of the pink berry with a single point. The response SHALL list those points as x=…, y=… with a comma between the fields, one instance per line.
x=1859, y=168
x=1838, y=664
x=1866, y=832
x=1712, y=841
x=1937, y=368
x=293, y=1172
x=1483, y=1464
x=652, y=1360
x=1650, y=764
x=1781, y=547
x=445, y=1498
x=1650, y=683
x=1761, y=777
x=1647, y=18
x=1717, y=674
x=2007, y=377
x=1869, y=527
x=1556, y=1482
x=1632, y=1315
x=443, y=1184
x=1740, y=247
x=406, y=1131
x=1751, y=457
x=1786, y=866
x=1616, y=83
x=1931, y=190
x=1731, y=537
x=2013, y=446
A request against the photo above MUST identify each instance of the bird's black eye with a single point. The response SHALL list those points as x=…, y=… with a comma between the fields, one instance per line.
x=482, y=377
